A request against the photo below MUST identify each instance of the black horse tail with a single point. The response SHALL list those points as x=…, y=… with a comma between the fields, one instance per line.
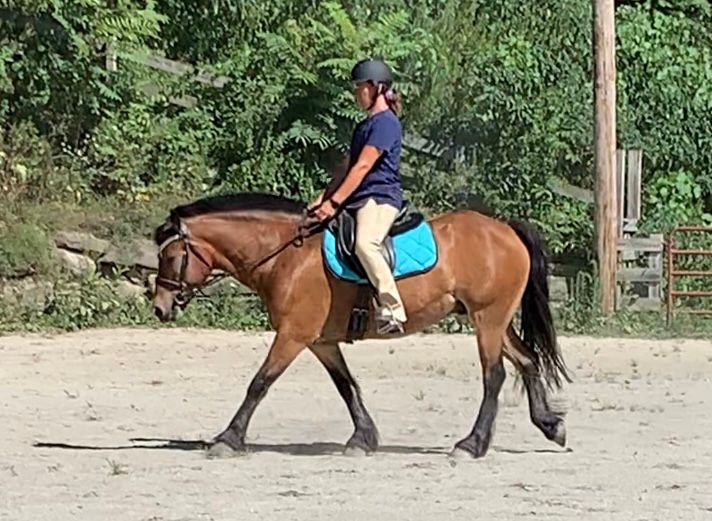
x=537, y=324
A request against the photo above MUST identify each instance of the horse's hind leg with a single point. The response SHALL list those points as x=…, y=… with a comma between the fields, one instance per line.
x=490, y=338
x=550, y=422
x=365, y=436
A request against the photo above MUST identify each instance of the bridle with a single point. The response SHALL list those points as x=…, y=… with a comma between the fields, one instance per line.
x=186, y=291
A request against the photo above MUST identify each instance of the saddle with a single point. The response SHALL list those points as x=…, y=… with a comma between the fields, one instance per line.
x=344, y=229
x=408, y=235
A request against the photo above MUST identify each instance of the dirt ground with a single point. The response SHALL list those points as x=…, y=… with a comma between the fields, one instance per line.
x=639, y=427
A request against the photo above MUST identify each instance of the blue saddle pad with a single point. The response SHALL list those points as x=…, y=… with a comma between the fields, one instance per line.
x=415, y=252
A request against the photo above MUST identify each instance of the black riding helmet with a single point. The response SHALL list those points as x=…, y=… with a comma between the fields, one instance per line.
x=372, y=69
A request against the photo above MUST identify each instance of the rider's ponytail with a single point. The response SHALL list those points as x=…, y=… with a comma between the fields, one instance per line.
x=393, y=99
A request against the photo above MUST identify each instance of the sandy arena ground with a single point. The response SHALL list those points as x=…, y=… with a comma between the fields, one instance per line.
x=639, y=426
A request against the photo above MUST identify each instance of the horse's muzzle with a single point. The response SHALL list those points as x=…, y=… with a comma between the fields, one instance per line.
x=164, y=315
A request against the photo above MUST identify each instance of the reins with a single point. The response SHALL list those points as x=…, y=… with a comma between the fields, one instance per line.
x=305, y=229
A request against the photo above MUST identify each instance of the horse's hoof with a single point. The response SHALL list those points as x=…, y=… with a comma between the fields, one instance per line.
x=458, y=454
x=560, y=434
x=362, y=442
x=221, y=450
x=473, y=447
x=355, y=451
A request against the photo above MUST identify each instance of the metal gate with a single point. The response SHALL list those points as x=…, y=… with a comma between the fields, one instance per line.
x=672, y=253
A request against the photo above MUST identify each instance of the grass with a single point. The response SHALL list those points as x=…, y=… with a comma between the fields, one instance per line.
x=116, y=468
x=631, y=324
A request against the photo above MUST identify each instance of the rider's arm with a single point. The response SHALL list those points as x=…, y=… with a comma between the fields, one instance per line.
x=338, y=174
x=369, y=155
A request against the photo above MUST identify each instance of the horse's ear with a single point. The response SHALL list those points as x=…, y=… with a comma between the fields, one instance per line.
x=177, y=223
x=174, y=219
x=161, y=230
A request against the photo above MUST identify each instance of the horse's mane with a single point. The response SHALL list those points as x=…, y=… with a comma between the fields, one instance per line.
x=239, y=202
x=245, y=201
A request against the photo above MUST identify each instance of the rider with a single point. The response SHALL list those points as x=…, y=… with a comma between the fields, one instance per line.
x=372, y=186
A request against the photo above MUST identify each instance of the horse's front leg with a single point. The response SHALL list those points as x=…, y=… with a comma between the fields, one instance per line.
x=283, y=351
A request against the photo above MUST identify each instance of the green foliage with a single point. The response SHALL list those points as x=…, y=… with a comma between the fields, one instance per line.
x=103, y=140
x=94, y=303
x=509, y=81
x=673, y=200
x=25, y=250
x=138, y=153
x=227, y=312
x=665, y=62
x=55, y=73
x=288, y=113
x=506, y=83
x=518, y=99
x=24, y=158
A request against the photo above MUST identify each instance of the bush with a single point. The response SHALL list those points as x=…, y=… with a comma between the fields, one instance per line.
x=25, y=250
x=95, y=303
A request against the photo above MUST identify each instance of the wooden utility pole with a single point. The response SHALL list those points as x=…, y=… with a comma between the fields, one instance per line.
x=604, y=51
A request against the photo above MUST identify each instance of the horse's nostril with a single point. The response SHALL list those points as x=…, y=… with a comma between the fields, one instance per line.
x=158, y=312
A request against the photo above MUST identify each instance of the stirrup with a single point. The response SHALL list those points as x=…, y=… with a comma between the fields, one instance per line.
x=389, y=325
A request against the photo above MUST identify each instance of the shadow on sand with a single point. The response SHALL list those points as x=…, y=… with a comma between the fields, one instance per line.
x=294, y=449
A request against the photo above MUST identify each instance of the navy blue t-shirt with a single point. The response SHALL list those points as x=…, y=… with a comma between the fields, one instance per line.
x=383, y=183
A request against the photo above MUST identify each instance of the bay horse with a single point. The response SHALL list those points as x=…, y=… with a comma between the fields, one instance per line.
x=486, y=269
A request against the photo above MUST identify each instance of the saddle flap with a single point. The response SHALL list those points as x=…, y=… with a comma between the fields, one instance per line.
x=344, y=229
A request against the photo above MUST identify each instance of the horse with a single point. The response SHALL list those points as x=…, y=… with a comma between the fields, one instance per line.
x=486, y=268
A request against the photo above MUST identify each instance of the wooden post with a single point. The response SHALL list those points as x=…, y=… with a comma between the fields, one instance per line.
x=620, y=187
x=605, y=148
x=655, y=262
x=635, y=167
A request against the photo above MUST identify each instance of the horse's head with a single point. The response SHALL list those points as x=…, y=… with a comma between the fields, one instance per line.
x=184, y=264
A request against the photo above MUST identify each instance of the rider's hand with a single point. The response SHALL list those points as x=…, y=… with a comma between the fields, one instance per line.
x=325, y=210
x=315, y=203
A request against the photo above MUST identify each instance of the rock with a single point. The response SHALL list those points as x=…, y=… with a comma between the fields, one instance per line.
x=76, y=263
x=128, y=290
x=26, y=292
x=81, y=242
x=151, y=282
x=142, y=253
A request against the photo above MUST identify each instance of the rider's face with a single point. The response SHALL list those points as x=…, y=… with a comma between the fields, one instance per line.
x=364, y=92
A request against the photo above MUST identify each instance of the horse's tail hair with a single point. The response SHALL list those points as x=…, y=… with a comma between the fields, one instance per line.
x=537, y=324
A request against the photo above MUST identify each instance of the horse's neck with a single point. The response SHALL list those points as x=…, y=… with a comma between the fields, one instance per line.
x=249, y=244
